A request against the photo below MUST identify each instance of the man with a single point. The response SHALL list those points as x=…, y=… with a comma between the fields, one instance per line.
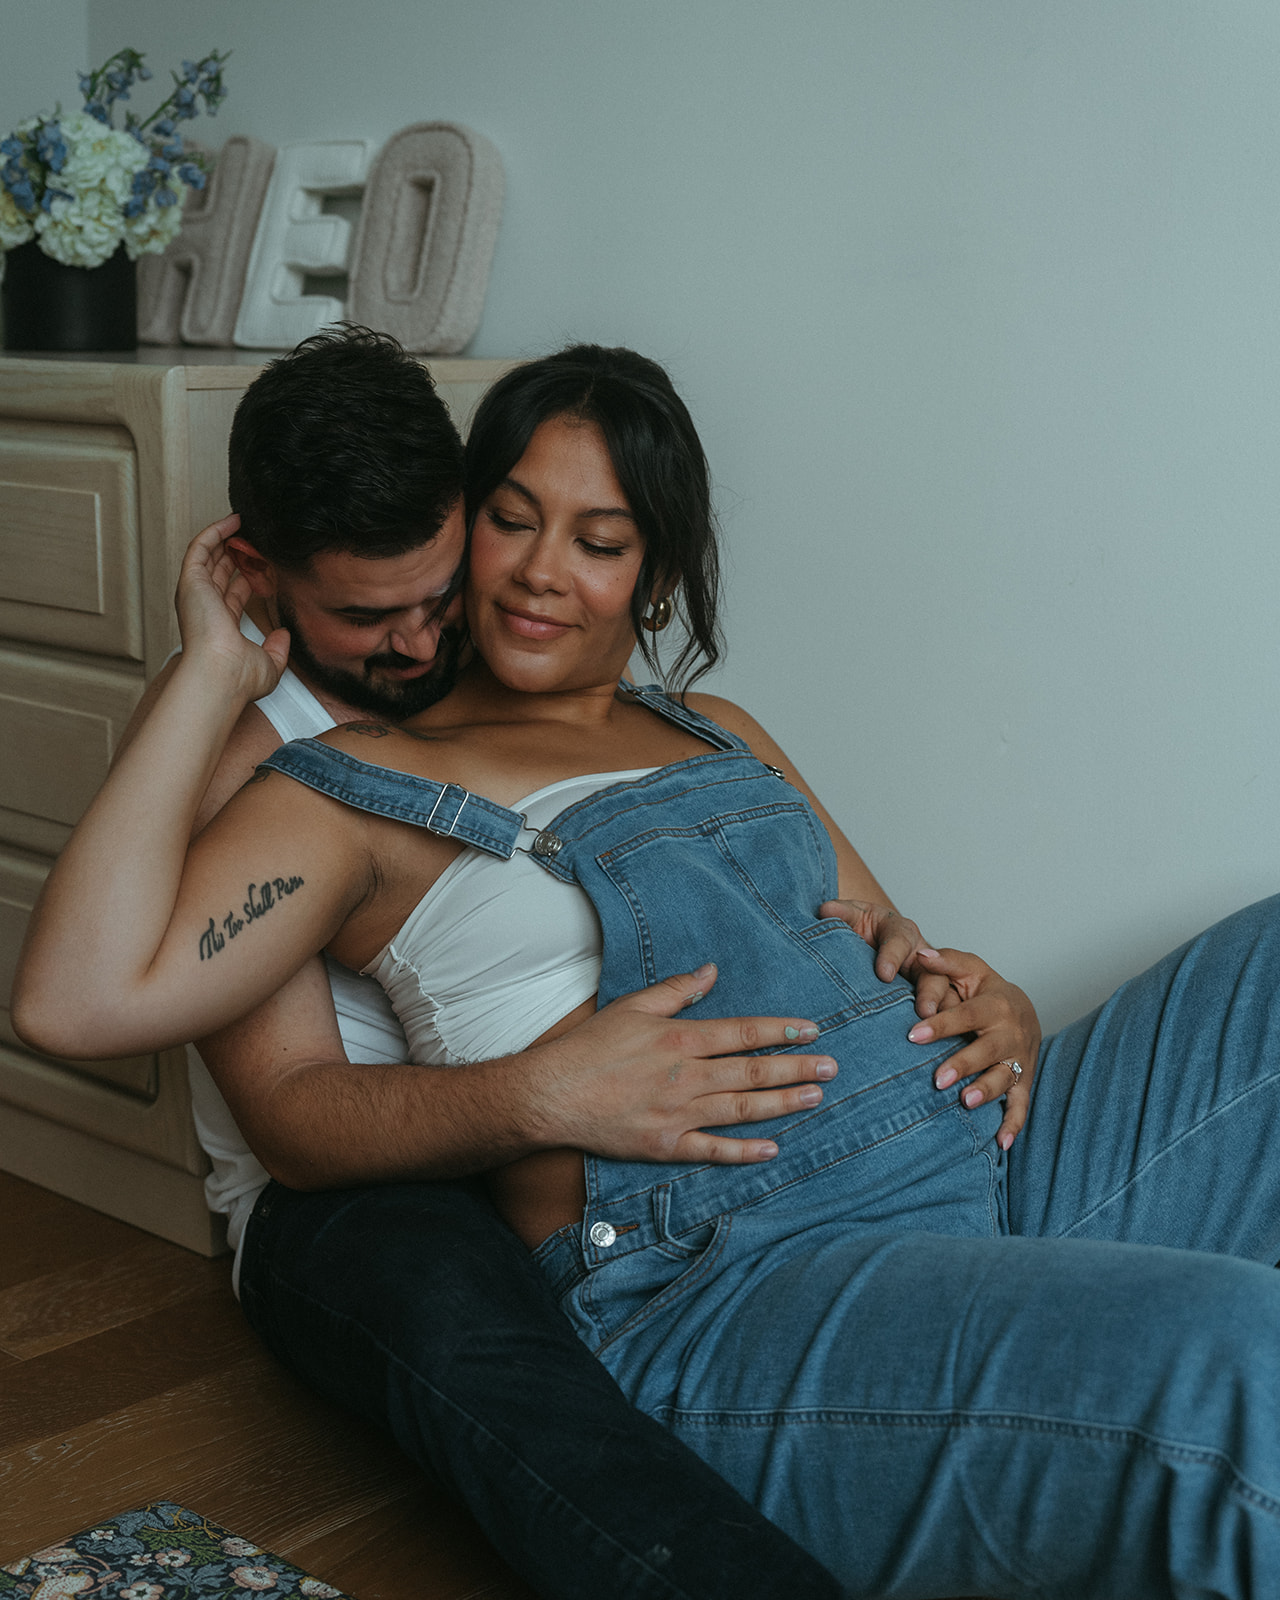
x=410, y=1300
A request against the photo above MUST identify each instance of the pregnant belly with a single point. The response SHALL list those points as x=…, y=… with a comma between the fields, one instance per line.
x=540, y=1192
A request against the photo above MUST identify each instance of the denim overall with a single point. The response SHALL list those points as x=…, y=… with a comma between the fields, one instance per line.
x=850, y=1333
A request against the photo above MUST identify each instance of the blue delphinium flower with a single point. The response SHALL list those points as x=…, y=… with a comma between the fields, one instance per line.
x=51, y=147
x=17, y=180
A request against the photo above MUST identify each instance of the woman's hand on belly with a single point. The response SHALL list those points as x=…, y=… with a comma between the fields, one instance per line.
x=1006, y=1030
x=898, y=943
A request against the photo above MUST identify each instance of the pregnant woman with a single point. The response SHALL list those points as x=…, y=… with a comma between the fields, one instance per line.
x=947, y=1363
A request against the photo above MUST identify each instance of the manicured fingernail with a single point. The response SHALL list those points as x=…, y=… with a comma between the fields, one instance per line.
x=972, y=1097
x=945, y=1078
x=925, y=951
x=766, y=1152
x=705, y=970
x=825, y=1067
x=809, y=1032
x=1005, y=1140
x=921, y=1033
x=810, y=1095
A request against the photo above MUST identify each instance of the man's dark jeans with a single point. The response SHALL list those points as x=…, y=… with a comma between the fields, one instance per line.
x=414, y=1304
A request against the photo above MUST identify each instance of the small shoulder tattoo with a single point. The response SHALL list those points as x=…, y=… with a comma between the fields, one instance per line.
x=370, y=730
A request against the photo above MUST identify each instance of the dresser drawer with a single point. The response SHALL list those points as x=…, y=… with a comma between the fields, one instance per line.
x=69, y=552
x=59, y=727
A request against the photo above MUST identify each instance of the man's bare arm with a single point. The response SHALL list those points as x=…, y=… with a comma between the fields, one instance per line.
x=635, y=1081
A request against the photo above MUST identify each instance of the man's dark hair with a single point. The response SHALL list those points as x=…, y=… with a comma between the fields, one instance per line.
x=343, y=444
x=659, y=463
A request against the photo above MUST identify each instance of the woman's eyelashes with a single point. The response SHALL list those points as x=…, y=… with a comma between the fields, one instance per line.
x=507, y=522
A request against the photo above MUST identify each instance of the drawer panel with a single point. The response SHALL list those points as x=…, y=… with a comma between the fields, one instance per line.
x=69, y=562
x=59, y=726
x=19, y=885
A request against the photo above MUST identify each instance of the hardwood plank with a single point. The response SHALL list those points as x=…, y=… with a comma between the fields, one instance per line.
x=140, y=1381
x=404, y=1551
x=248, y=1446
x=89, y=1297
x=56, y=1392
x=43, y=1232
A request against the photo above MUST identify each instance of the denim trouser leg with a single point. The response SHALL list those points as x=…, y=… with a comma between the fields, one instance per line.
x=1155, y=1117
x=935, y=1408
x=935, y=1416
x=415, y=1306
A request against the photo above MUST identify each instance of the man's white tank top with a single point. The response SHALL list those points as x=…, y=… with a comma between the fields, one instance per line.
x=370, y=1032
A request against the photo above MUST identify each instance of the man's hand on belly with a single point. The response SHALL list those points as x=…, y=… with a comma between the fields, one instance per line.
x=638, y=1083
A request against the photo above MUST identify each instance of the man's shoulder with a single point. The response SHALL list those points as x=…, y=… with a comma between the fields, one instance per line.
x=252, y=740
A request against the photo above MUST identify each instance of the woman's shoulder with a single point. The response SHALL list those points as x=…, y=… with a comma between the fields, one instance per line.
x=726, y=714
x=757, y=739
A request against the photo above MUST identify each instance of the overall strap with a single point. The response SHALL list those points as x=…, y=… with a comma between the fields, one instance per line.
x=443, y=808
x=656, y=698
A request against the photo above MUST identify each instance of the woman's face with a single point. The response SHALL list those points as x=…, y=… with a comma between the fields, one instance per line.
x=555, y=555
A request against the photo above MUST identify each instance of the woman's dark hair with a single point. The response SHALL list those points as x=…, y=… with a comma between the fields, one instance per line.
x=343, y=444
x=659, y=463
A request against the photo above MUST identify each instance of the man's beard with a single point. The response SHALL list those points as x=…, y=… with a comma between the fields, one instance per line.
x=389, y=698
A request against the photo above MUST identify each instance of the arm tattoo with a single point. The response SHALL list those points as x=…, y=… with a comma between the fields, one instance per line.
x=371, y=730
x=262, y=896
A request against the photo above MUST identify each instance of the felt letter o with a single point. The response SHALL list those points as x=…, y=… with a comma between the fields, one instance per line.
x=427, y=233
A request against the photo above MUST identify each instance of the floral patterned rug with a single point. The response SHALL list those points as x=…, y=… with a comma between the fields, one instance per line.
x=158, y=1552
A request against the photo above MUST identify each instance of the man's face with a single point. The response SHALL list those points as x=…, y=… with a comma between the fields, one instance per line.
x=373, y=633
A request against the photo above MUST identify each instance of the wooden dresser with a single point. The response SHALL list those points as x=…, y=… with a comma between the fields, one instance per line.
x=107, y=467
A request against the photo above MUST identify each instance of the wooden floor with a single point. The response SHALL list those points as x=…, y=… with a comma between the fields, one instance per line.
x=127, y=1374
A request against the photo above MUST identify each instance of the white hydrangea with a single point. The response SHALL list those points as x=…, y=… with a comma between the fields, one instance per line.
x=158, y=226
x=87, y=229
x=83, y=232
x=68, y=180
x=99, y=157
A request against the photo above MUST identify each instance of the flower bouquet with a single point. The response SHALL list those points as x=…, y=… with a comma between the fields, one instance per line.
x=76, y=189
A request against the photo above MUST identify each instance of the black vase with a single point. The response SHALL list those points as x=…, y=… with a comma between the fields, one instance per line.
x=47, y=306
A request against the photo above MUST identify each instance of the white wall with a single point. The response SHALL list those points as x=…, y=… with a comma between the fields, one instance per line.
x=978, y=305
x=43, y=48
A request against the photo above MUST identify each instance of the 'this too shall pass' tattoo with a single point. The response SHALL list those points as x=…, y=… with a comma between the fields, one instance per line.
x=262, y=896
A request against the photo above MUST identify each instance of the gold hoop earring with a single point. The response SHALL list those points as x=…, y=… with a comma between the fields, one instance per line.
x=659, y=616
